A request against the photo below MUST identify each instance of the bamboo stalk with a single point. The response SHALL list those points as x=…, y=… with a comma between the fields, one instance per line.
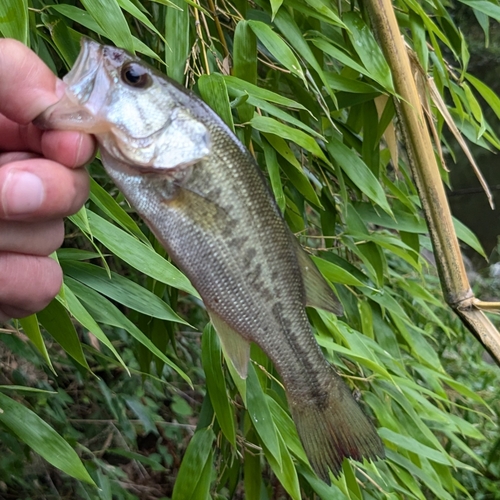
x=425, y=170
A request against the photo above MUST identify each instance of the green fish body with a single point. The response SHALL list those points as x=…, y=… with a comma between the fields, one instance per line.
x=202, y=194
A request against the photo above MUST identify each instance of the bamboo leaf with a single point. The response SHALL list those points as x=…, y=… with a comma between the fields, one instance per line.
x=212, y=365
x=14, y=19
x=42, y=438
x=177, y=38
x=277, y=47
x=106, y=313
x=113, y=210
x=110, y=18
x=78, y=311
x=358, y=172
x=121, y=290
x=55, y=319
x=138, y=255
x=271, y=126
x=239, y=87
x=193, y=464
x=274, y=175
x=284, y=469
x=259, y=412
x=489, y=8
x=368, y=50
x=213, y=91
x=32, y=331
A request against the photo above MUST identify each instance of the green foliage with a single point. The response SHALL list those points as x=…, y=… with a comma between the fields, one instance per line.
x=302, y=97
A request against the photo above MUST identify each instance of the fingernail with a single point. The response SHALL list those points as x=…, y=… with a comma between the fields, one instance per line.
x=22, y=194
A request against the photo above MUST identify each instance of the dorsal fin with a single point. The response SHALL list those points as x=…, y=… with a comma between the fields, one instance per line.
x=318, y=291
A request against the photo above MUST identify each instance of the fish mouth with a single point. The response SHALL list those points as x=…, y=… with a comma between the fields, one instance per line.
x=79, y=107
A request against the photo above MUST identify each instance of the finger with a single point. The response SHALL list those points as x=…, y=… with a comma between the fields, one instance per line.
x=37, y=189
x=17, y=137
x=16, y=156
x=27, y=283
x=72, y=149
x=8, y=312
x=33, y=238
x=27, y=86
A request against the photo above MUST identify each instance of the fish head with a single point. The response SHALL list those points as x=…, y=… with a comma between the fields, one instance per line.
x=137, y=114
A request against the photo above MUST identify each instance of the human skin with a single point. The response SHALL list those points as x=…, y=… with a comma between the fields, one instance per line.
x=41, y=182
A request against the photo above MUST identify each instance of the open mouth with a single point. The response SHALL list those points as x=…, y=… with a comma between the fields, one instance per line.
x=79, y=107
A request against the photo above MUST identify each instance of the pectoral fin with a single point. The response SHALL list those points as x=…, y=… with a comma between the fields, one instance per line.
x=318, y=292
x=234, y=346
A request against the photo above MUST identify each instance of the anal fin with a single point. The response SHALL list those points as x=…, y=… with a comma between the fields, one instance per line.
x=234, y=346
x=318, y=292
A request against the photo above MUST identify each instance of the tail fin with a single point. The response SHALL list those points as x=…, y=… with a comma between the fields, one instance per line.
x=332, y=426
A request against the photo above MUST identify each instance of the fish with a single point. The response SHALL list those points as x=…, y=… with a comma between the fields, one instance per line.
x=204, y=197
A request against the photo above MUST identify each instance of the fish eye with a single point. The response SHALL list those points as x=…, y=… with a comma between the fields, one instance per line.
x=135, y=75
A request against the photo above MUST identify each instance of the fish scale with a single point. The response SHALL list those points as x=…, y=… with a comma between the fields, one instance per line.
x=205, y=199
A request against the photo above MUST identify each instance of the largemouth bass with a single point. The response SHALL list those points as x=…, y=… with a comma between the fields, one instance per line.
x=202, y=194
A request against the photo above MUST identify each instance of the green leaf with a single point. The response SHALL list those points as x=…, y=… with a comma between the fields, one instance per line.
x=238, y=87
x=338, y=82
x=284, y=469
x=78, y=15
x=486, y=93
x=277, y=47
x=202, y=490
x=295, y=36
x=326, y=11
x=212, y=365
x=334, y=273
x=433, y=484
x=491, y=9
x=301, y=182
x=78, y=311
x=122, y=290
x=368, y=50
x=22, y=388
x=55, y=319
x=66, y=39
x=273, y=169
x=244, y=66
x=107, y=313
x=138, y=255
x=213, y=91
x=108, y=15
x=275, y=6
x=113, y=210
x=153, y=464
x=32, y=331
x=258, y=410
x=42, y=438
x=283, y=149
x=287, y=429
x=193, y=463
x=271, y=126
x=132, y=9
x=14, y=19
x=358, y=172
x=252, y=473
x=411, y=444
x=339, y=55
x=177, y=37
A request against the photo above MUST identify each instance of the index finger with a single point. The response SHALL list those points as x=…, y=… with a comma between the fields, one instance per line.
x=27, y=86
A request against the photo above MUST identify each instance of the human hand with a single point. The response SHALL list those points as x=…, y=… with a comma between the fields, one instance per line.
x=40, y=182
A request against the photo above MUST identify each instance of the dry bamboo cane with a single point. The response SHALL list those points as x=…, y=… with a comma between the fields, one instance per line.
x=425, y=171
